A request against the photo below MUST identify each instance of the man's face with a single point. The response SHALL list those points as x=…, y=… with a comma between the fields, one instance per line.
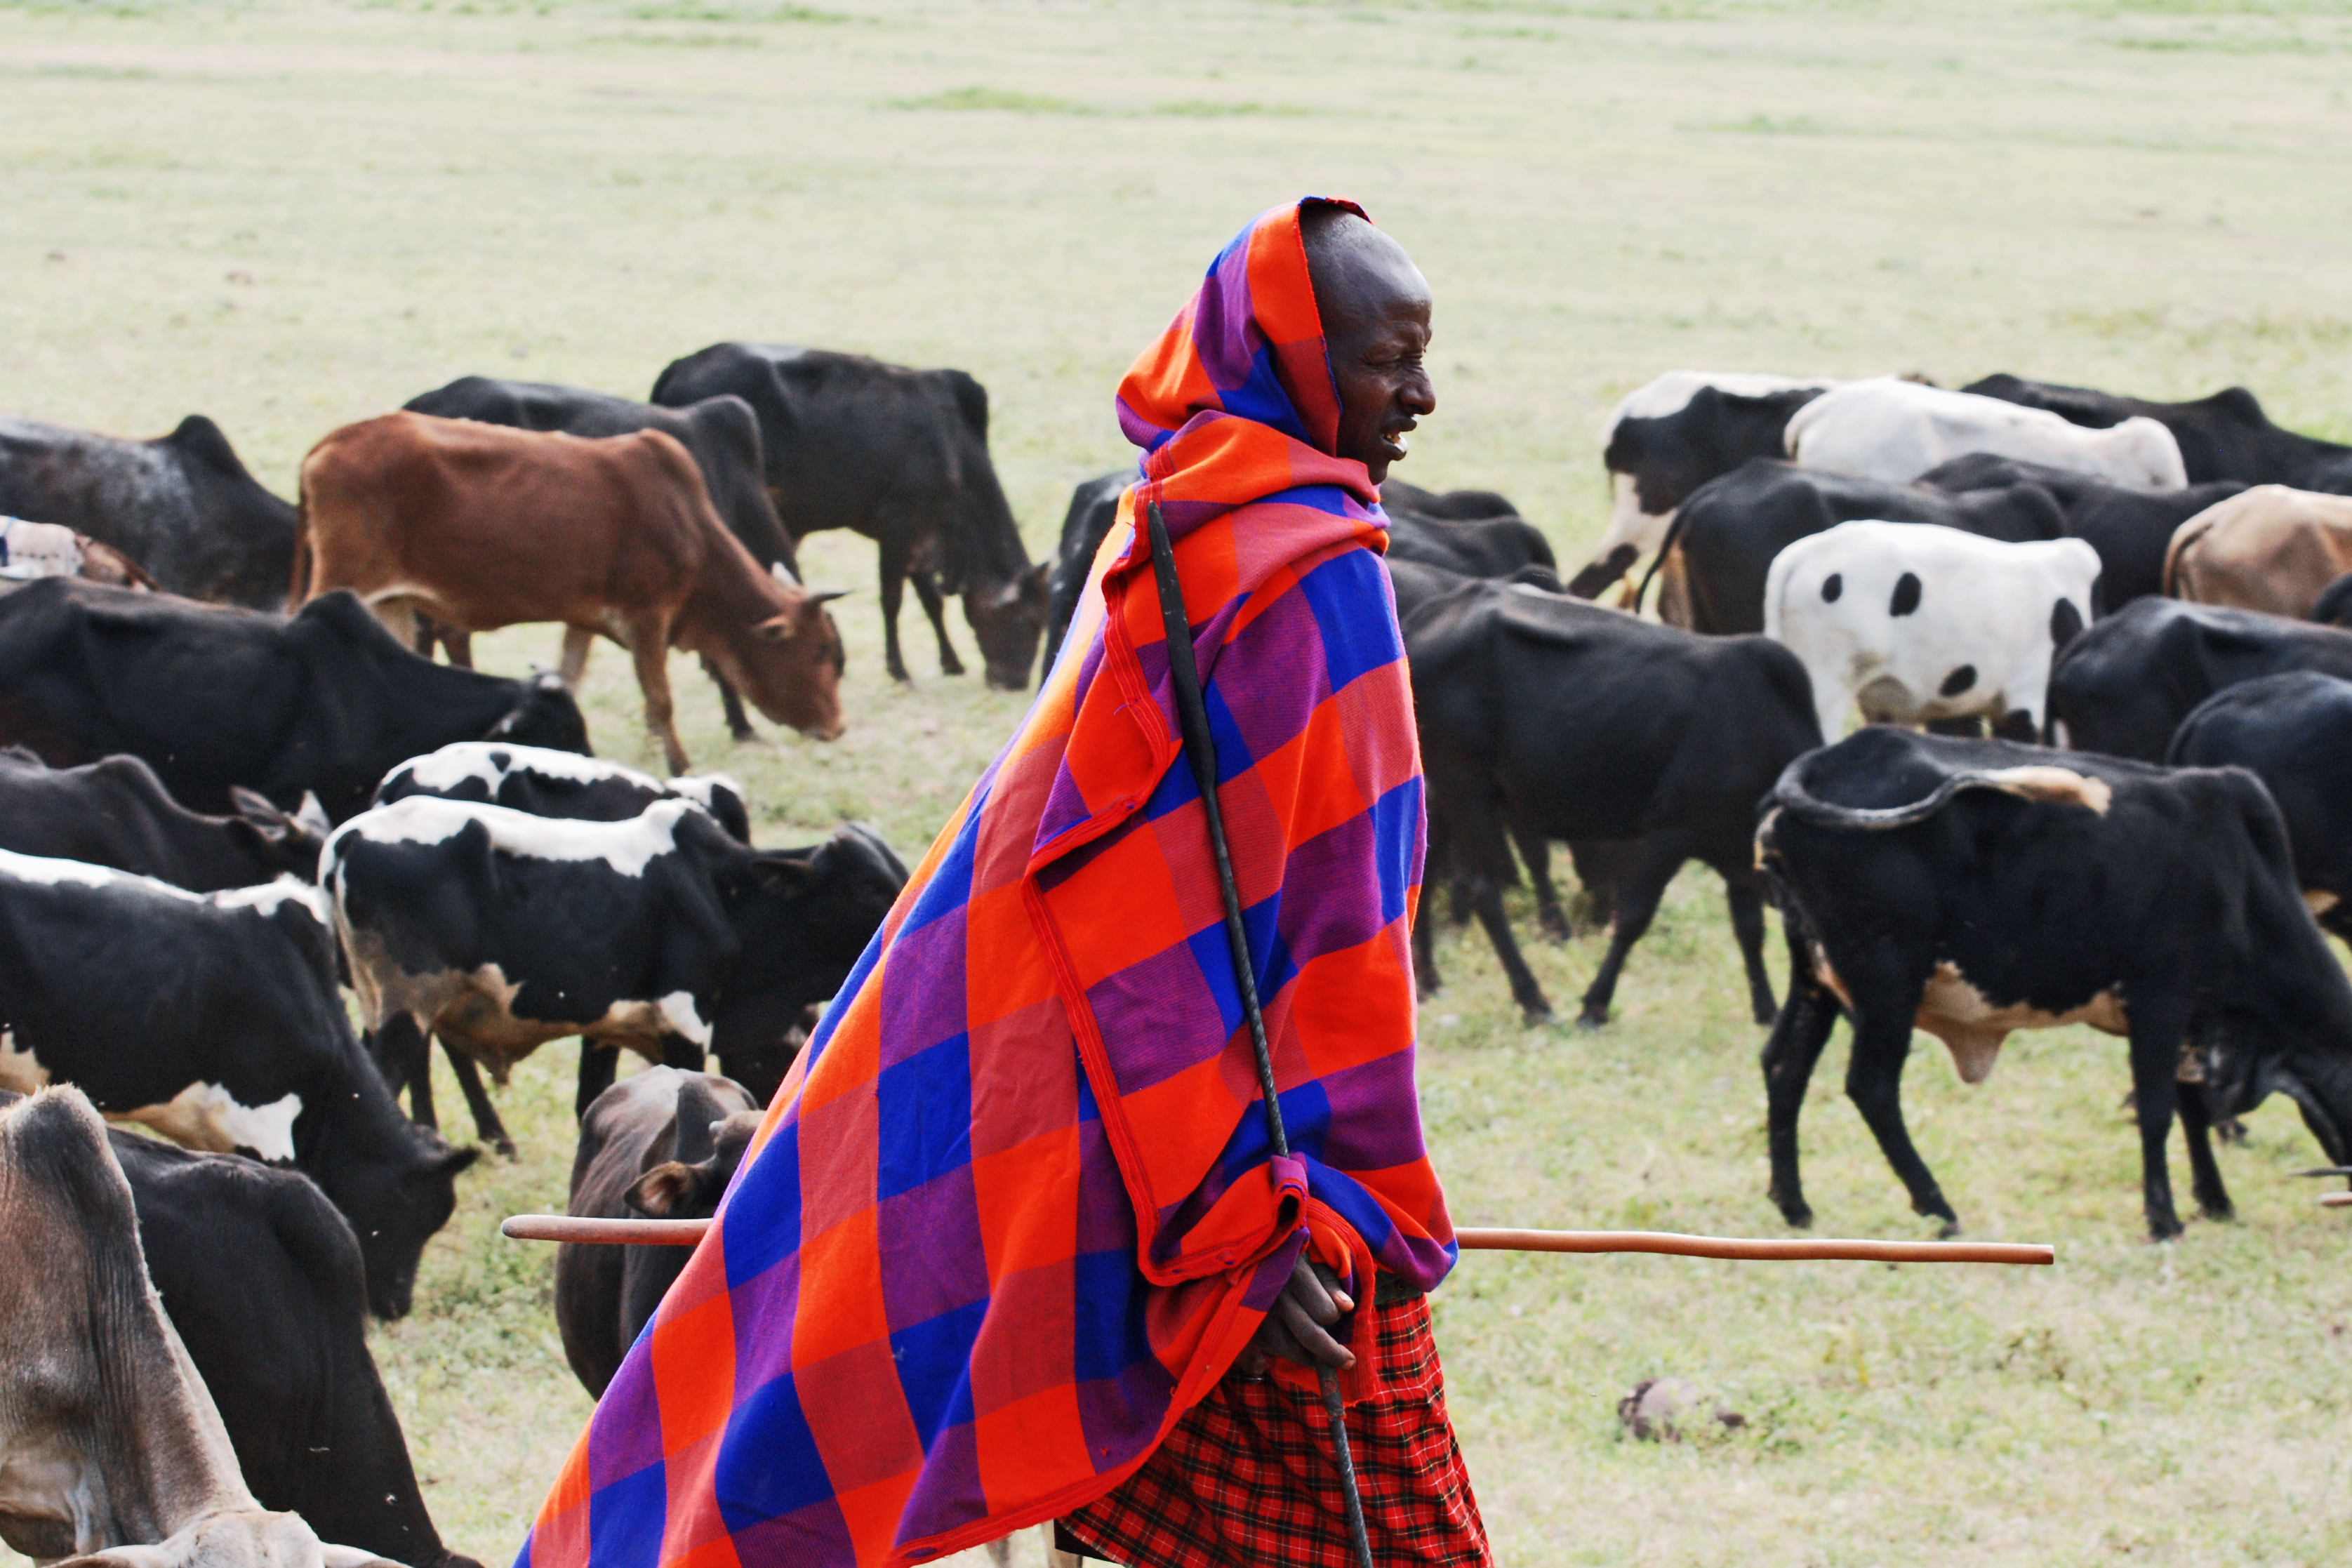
x=1376, y=308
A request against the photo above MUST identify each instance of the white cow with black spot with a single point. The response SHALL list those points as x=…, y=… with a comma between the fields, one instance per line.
x=1894, y=431
x=1916, y=622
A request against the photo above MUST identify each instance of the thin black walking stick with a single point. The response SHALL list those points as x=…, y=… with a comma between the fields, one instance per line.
x=1192, y=720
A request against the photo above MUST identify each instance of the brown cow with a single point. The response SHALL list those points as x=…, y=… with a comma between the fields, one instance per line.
x=479, y=526
x=2269, y=548
x=111, y=1447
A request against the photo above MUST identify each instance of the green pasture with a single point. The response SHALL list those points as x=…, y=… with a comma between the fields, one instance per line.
x=291, y=215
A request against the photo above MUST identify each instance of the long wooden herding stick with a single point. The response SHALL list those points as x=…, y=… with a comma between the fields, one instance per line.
x=1746, y=1249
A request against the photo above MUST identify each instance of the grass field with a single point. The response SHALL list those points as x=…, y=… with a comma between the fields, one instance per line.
x=292, y=215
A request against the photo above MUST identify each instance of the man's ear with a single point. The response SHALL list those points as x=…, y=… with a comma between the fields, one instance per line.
x=661, y=1189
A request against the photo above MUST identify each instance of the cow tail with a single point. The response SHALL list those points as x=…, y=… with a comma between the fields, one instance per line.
x=299, y=587
x=1665, y=545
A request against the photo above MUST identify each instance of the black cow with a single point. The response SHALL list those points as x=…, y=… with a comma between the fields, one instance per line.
x=263, y=1280
x=1728, y=532
x=500, y=932
x=2334, y=606
x=325, y=701
x=1542, y=712
x=115, y=812
x=902, y=457
x=1498, y=544
x=1093, y=509
x=2124, y=685
x=664, y=1144
x=1972, y=887
x=2294, y=733
x=2224, y=436
x=1659, y=460
x=2130, y=529
x=181, y=505
x=721, y=432
x=215, y=1019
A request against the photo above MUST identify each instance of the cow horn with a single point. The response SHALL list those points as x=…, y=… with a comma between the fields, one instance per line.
x=782, y=574
x=826, y=596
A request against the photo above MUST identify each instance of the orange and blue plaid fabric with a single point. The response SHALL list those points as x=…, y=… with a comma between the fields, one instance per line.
x=1013, y=1211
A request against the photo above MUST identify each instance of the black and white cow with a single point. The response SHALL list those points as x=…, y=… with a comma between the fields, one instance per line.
x=1894, y=431
x=1921, y=624
x=1544, y=714
x=663, y=1143
x=2292, y=732
x=115, y=812
x=1669, y=438
x=214, y=1019
x=2130, y=529
x=181, y=505
x=499, y=932
x=2225, y=436
x=324, y=701
x=1723, y=540
x=2125, y=684
x=542, y=783
x=263, y=1281
x=112, y=1453
x=1972, y=887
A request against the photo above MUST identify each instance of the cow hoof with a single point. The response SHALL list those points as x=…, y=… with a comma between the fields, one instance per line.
x=744, y=736
x=505, y=1146
x=1949, y=1229
x=1536, y=1017
x=1799, y=1215
x=1555, y=924
x=1768, y=1016
x=2225, y=1212
x=1590, y=1020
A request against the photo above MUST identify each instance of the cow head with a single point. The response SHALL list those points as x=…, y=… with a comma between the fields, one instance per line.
x=1008, y=619
x=280, y=841
x=545, y=715
x=790, y=663
x=396, y=1204
x=2240, y=1069
x=706, y=1148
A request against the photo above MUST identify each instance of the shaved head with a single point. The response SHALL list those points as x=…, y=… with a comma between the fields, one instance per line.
x=1375, y=307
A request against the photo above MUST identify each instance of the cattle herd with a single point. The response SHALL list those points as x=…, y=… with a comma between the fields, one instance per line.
x=242, y=803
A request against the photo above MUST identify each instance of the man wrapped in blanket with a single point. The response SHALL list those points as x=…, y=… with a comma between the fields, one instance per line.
x=1010, y=1246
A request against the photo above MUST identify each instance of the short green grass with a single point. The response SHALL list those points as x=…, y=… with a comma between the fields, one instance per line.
x=289, y=215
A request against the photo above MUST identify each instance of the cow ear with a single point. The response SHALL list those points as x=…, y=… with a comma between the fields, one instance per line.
x=783, y=575
x=775, y=628
x=783, y=872
x=262, y=812
x=1039, y=583
x=661, y=1189
x=699, y=1112
x=312, y=816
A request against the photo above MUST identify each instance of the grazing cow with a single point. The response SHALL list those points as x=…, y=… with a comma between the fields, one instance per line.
x=1447, y=534
x=540, y=784
x=263, y=1281
x=1548, y=715
x=112, y=1452
x=721, y=434
x=1094, y=507
x=2125, y=684
x=323, y=702
x=1921, y=624
x=181, y=506
x=2271, y=549
x=115, y=812
x=214, y=1019
x=499, y=932
x=902, y=457
x=2293, y=732
x=2130, y=529
x=1894, y=431
x=1720, y=549
x=31, y=550
x=477, y=526
x=1971, y=888
x=1672, y=435
x=2224, y=436
x=664, y=1144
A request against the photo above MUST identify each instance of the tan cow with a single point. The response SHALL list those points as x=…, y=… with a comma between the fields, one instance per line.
x=477, y=526
x=110, y=1450
x=2269, y=548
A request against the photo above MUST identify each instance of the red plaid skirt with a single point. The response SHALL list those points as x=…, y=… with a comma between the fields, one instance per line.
x=1247, y=1477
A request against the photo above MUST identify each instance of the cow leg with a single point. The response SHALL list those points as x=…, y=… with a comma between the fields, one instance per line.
x=487, y=1125
x=1534, y=850
x=677, y=1052
x=730, y=702
x=460, y=644
x=1883, y=1011
x=2158, y=1024
x=649, y=648
x=927, y=593
x=894, y=594
x=1487, y=902
x=2197, y=1124
x=427, y=633
x=1662, y=855
x=1791, y=1054
x=405, y=1056
x=578, y=642
x=1746, y=901
x=1424, y=954
x=599, y=1065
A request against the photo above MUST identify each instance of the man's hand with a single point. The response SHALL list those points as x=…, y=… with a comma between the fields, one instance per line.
x=1296, y=1329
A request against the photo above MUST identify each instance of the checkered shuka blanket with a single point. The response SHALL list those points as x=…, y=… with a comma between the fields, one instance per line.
x=1014, y=1211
